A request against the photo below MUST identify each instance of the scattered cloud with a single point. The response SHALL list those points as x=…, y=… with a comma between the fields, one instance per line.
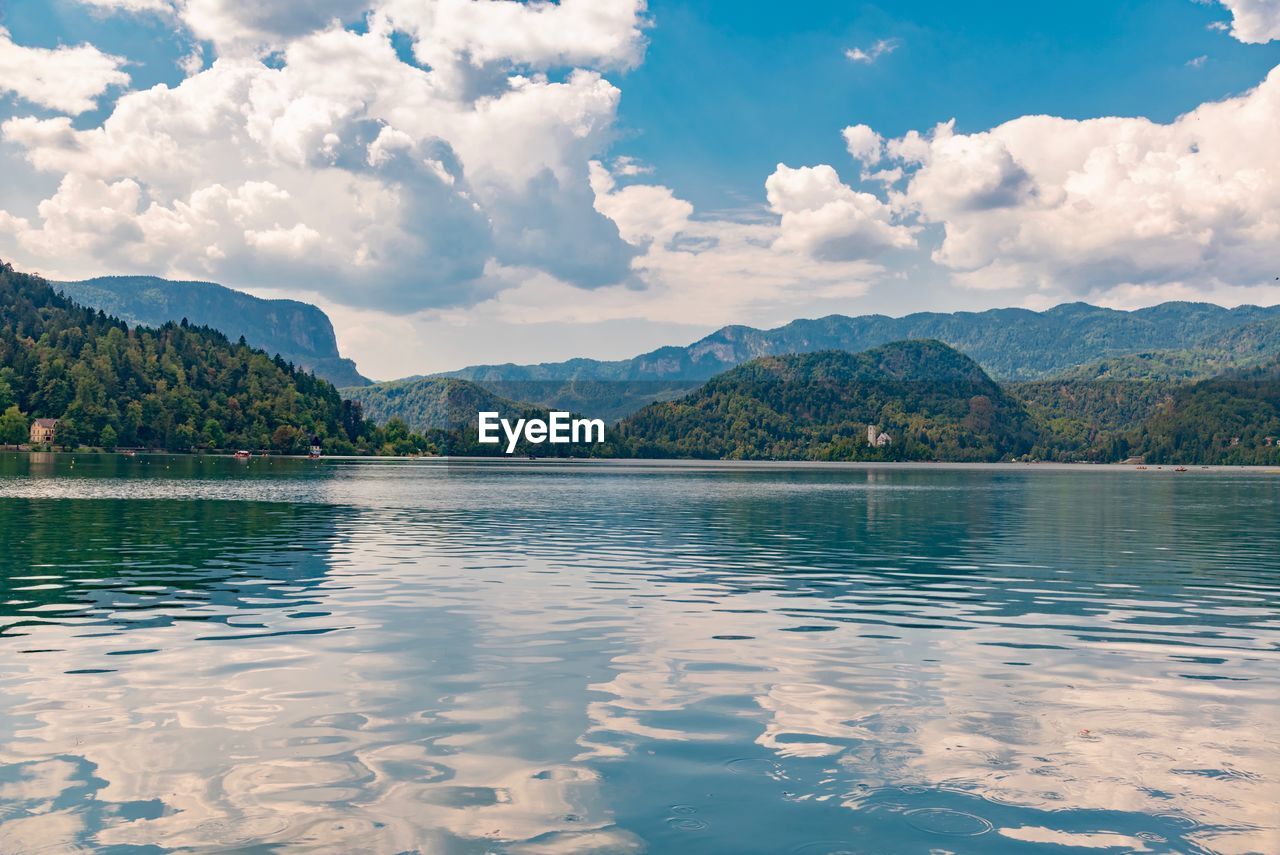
x=1254, y=21
x=872, y=53
x=595, y=33
x=630, y=167
x=193, y=62
x=67, y=79
x=1090, y=207
x=1197, y=62
x=863, y=143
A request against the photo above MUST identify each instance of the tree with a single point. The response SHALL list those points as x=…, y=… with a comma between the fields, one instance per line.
x=108, y=438
x=213, y=435
x=67, y=433
x=14, y=429
x=6, y=388
x=184, y=437
x=286, y=438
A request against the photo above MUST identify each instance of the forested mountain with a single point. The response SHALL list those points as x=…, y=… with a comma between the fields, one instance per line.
x=1010, y=344
x=430, y=403
x=935, y=403
x=1096, y=411
x=176, y=387
x=610, y=400
x=299, y=332
x=931, y=400
x=1090, y=420
x=183, y=386
x=1231, y=419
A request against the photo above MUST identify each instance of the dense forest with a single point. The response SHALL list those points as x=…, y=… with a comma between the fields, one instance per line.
x=1089, y=420
x=611, y=400
x=178, y=387
x=937, y=404
x=429, y=403
x=1231, y=419
x=933, y=403
x=299, y=332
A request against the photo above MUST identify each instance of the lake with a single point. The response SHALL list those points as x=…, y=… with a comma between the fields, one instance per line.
x=536, y=657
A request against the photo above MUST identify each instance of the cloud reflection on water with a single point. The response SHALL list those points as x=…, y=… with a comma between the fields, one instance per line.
x=917, y=652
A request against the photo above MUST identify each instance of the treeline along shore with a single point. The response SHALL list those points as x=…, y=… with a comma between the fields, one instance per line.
x=74, y=377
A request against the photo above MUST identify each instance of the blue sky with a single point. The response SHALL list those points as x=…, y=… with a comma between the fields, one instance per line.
x=461, y=181
x=729, y=88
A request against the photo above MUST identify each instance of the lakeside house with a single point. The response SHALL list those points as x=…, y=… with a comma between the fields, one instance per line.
x=43, y=431
x=877, y=438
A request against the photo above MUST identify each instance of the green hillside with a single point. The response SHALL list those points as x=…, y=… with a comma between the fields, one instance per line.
x=934, y=403
x=1089, y=420
x=178, y=387
x=430, y=403
x=1231, y=419
x=299, y=332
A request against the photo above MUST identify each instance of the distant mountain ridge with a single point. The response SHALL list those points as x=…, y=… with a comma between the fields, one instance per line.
x=298, y=332
x=1009, y=344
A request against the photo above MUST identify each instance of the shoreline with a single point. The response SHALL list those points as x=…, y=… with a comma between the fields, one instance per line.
x=685, y=463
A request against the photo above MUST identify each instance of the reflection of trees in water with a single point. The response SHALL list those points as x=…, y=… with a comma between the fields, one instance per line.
x=149, y=562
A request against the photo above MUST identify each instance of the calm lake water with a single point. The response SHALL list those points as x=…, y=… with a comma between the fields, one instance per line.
x=446, y=657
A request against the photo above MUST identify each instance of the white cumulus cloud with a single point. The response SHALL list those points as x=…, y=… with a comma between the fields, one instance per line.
x=541, y=34
x=826, y=219
x=1254, y=21
x=336, y=166
x=1085, y=207
x=237, y=27
x=67, y=79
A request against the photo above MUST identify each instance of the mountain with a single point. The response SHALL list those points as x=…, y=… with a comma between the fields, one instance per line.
x=931, y=400
x=1093, y=411
x=610, y=400
x=445, y=411
x=299, y=332
x=1090, y=420
x=1010, y=344
x=430, y=403
x=177, y=387
x=1230, y=419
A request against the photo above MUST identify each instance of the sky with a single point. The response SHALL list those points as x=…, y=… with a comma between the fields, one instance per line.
x=476, y=181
